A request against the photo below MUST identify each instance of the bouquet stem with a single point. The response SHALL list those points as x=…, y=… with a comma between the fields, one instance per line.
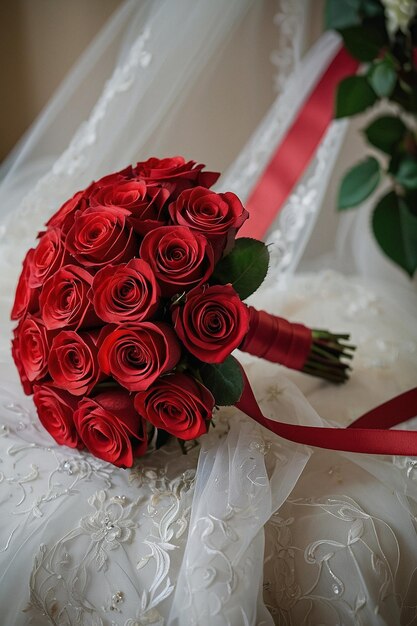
x=316, y=352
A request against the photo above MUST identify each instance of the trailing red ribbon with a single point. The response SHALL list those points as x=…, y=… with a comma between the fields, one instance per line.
x=277, y=340
x=368, y=434
x=296, y=150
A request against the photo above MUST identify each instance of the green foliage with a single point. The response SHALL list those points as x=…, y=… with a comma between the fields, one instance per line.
x=363, y=45
x=385, y=133
x=354, y=95
x=341, y=14
x=245, y=267
x=383, y=77
x=224, y=380
x=391, y=221
x=358, y=183
x=406, y=174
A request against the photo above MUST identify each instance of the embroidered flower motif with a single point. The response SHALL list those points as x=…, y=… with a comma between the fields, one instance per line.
x=109, y=526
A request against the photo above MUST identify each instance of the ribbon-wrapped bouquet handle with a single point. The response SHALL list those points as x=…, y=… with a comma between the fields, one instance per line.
x=130, y=306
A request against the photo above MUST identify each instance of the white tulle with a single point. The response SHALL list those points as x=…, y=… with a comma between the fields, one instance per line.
x=247, y=529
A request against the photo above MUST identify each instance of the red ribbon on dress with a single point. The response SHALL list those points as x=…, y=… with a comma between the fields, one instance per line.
x=368, y=434
x=298, y=147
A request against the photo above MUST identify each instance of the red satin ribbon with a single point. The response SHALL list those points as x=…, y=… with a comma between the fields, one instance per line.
x=298, y=147
x=368, y=434
x=277, y=340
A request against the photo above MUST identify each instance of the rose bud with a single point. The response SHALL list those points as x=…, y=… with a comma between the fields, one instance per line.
x=177, y=404
x=216, y=215
x=110, y=427
x=136, y=354
x=56, y=410
x=64, y=302
x=145, y=204
x=64, y=218
x=73, y=362
x=48, y=257
x=125, y=293
x=100, y=236
x=179, y=258
x=212, y=323
x=26, y=298
x=34, y=344
x=174, y=173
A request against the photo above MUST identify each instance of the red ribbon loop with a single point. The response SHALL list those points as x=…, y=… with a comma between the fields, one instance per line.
x=368, y=434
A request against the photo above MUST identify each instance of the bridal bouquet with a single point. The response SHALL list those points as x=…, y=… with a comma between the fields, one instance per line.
x=131, y=304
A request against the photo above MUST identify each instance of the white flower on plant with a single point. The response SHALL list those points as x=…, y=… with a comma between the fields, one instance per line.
x=399, y=14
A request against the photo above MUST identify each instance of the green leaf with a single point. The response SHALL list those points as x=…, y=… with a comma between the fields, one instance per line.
x=372, y=8
x=388, y=231
x=245, y=267
x=358, y=183
x=406, y=174
x=354, y=95
x=382, y=78
x=339, y=14
x=224, y=380
x=385, y=132
x=363, y=44
x=409, y=233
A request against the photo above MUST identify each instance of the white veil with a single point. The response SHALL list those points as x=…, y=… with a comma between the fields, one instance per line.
x=166, y=95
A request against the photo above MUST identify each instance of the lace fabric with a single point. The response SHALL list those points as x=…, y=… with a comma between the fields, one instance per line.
x=246, y=528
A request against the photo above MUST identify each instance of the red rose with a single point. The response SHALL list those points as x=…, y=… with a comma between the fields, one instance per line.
x=110, y=179
x=178, y=404
x=175, y=173
x=64, y=218
x=34, y=343
x=212, y=323
x=73, y=361
x=179, y=258
x=26, y=298
x=56, y=410
x=100, y=236
x=125, y=293
x=135, y=355
x=64, y=301
x=47, y=257
x=145, y=204
x=217, y=215
x=110, y=427
x=26, y=384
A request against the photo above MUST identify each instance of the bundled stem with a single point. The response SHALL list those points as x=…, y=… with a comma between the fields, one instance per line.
x=327, y=354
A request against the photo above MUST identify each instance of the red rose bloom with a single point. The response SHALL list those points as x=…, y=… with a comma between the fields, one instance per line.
x=179, y=258
x=64, y=301
x=110, y=427
x=26, y=298
x=125, y=293
x=175, y=173
x=217, y=215
x=64, y=218
x=47, y=257
x=100, y=236
x=212, y=323
x=55, y=410
x=73, y=361
x=135, y=355
x=26, y=384
x=145, y=204
x=178, y=404
x=34, y=341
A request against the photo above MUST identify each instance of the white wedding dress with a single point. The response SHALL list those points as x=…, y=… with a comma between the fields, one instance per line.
x=247, y=528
